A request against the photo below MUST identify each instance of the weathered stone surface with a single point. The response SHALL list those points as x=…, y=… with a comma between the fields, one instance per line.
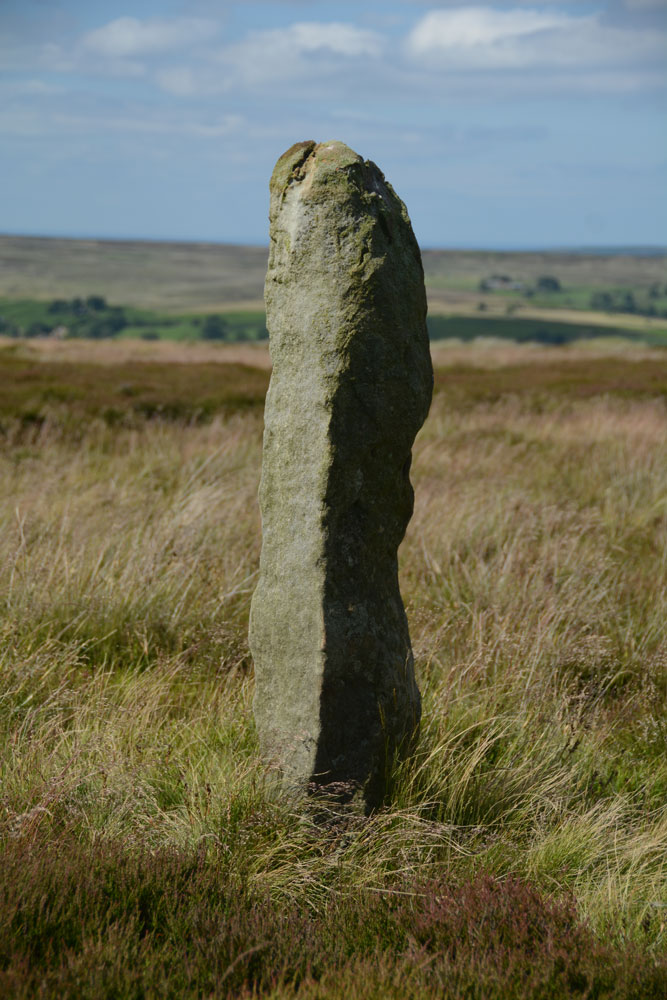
x=351, y=385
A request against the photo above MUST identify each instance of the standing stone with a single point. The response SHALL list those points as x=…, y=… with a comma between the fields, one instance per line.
x=336, y=696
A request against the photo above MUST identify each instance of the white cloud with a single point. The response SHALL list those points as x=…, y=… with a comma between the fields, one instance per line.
x=484, y=39
x=127, y=36
x=341, y=39
x=286, y=52
x=470, y=27
x=276, y=58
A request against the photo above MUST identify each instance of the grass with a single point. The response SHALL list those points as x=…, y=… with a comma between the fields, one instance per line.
x=65, y=397
x=523, y=852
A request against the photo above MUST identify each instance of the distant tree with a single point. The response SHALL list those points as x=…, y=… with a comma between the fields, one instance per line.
x=96, y=302
x=150, y=335
x=547, y=283
x=58, y=306
x=601, y=300
x=37, y=330
x=549, y=335
x=7, y=328
x=109, y=326
x=117, y=319
x=101, y=330
x=628, y=303
x=214, y=328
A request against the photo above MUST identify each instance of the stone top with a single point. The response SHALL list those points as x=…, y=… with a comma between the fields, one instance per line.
x=302, y=156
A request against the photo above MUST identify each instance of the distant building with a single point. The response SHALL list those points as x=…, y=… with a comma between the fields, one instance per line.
x=500, y=283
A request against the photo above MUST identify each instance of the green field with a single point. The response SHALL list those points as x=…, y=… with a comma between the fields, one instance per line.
x=540, y=331
x=28, y=318
x=522, y=852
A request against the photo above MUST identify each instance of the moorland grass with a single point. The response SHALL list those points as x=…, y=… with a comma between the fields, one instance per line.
x=523, y=851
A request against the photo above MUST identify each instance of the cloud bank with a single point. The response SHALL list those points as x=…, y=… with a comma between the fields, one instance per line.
x=471, y=101
x=485, y=38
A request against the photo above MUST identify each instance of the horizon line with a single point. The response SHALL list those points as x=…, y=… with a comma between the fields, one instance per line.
x=650, y=249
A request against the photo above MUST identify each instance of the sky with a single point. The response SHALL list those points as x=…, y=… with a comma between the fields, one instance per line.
x=502, y=125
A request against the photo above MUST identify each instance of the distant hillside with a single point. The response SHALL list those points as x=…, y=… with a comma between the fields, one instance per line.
x=172, y=276
x=210, y=276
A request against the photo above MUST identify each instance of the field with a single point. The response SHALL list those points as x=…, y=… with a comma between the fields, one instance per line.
x=180, y=291
x=174, y=277
x=523, y=851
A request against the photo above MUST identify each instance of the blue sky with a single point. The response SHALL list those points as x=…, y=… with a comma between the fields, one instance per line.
x=499, y=124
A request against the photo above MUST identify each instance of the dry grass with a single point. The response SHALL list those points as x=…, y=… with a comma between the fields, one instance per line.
x=119, y=352
x=493, y=354
x=533, y=572
x=480, y=353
